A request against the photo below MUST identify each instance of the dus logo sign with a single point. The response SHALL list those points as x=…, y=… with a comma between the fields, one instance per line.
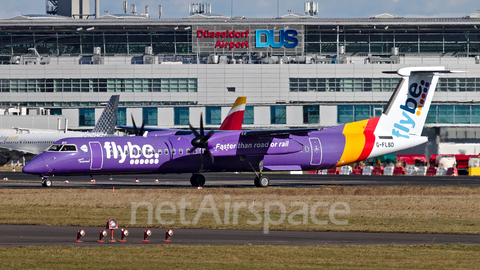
x=417, y=94
x=287, y=39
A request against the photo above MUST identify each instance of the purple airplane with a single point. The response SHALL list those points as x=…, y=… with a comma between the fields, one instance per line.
x=399, y=128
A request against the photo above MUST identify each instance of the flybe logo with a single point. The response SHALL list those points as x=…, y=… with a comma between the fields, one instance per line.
x=138, y=155
x=287, y=38
x=412, y=108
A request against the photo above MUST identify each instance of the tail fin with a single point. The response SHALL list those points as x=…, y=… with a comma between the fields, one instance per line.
x=107, y=121
x=407, y=109
x=234, y=118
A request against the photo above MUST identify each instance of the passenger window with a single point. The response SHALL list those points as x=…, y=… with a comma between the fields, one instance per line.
x=166, y=151
x=159, y=151
x=180, y=151
x=173, y=152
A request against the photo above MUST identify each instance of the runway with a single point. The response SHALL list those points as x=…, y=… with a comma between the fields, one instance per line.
x=232, y=180
x=29, y=235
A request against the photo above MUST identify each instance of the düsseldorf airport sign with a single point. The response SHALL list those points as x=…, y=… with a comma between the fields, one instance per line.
x=240, y=39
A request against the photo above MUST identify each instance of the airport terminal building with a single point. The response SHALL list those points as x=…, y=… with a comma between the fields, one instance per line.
x=296, y=70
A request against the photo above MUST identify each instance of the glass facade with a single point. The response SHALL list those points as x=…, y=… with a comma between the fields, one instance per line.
x=213, y=115
x=55, y=111
x=378, y=40
x=150, y=116
x=311, y=114
x=278, y=115
x=82, y=43
x=361, y=38
x=454, y=114
x=121, y=116
x=248, y=116
x=343, y=84
x=99, y=85
x=352, y=113
x=93, y=103
x=376, y=84
x=86, y=117
x=181, y=116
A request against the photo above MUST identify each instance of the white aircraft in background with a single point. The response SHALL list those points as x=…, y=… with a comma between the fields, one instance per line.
x=36, y=143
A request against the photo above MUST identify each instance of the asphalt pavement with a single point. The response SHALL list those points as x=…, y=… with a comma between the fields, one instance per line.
x=30, y=235
x=232, y=180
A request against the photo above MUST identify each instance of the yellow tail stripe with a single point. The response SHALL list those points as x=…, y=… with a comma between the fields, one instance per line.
x=240, y=101
x=354, y=142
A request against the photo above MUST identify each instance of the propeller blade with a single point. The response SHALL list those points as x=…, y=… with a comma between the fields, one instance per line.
x=193, y=130
x=142, y=129
x=210, y=133
x=201, y=140
x=209, y=154
x=135, y=130
x=201, y=125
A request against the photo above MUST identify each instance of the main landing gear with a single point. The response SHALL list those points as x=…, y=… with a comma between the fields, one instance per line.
x=197, y=180
x=260, y=180
x=46, y=182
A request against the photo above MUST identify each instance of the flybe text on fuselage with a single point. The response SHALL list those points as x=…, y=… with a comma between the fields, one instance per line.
x=137, y=154
x=417, y=95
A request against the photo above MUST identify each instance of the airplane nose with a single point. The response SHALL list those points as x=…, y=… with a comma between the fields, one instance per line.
x=35, y=166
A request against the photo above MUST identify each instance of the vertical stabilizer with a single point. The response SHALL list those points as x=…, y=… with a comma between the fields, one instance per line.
x=407, y=109
x=234, y=118
x=107, y=121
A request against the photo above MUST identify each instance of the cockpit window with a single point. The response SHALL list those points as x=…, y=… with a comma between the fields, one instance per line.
x=69, y=148
x=55, y=148
x=63, y=148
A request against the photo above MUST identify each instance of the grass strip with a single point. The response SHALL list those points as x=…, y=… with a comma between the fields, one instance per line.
x=374, y=209
x=243, y=257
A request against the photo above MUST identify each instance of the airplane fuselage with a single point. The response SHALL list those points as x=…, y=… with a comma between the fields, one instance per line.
x=232, y=151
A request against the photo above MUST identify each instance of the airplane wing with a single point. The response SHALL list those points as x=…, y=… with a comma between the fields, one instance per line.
x=13, y=151
x=278, y=132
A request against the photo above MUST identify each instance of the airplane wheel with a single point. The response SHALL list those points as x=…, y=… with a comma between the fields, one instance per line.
x=46, y=182
x=200, y=180
x=263, y=181
x=193, y=180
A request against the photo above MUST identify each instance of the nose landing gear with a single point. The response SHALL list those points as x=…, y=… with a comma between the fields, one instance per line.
x=46, y=182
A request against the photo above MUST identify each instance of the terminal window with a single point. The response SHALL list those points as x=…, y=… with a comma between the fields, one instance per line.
x=181, y=116
x=150, y=116
x=121, y=116
x=311, y=114
x=352, y=113
x=343, y=84
x=213, y=115
x=86, y=117
x=248, y=115
x=278, y=115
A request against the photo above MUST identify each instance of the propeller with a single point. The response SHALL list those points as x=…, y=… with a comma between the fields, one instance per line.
x=201, y=140
x=135, y=129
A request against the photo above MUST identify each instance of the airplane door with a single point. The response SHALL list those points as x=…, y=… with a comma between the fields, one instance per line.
x=96, y=158
x=316, y=153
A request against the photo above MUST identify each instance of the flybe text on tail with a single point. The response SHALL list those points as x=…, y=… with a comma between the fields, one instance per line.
x=412, y=109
